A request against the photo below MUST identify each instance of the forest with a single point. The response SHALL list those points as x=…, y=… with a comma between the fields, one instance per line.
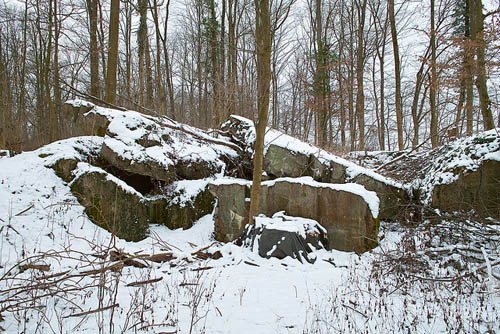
x=239, y=166
x=345, y=75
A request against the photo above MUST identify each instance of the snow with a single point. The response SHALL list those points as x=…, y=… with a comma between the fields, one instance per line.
x=168, y=143
x=278, y=138
x=77, y=103
x=41, y=222
x=282, y=222
x=457, y=158
x=185, y=191
x=84, y=168
x=57, y=225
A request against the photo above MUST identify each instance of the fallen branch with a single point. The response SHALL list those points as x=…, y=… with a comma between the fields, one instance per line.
x=92, y=98
x=187, y=284
x=456, y=278
x=40, y=267
x=114, y=267
x=53, y=275
x=209, y=140
x=201, y=268
x=353, y=309
x=159, y=258
x=158, y=325
x=25, y=210
x=102, y=309
x=139, y=283
x=251, y=264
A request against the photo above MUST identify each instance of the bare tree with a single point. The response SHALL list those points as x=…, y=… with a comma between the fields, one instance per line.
x=397, y=72
x=477, y=35
x=112, y=52
x=94, y=50
x=263, y=46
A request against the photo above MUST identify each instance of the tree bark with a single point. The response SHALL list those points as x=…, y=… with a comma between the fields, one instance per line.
x=56, y=74
x=160, y=90
x=397, y=72
x=477, y=34
x=360, y=62
x=320, y=76
x=112, y=52
x=263, y=46
x=94, y=51
x=48, y=55
x=433, y=88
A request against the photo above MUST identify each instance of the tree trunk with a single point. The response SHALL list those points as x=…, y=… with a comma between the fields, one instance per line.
x=142, y=33
x=232, y=54
x=160, y=90
x=56, y=76
x=263, y=46
x=397, y=72
x=168, y=71
x=94, y=50
x=4, y=112
x=360, y=62
x=414, y=106
x=341, y=81
x=112, y=52
x=320, y=76
x=48, y=95
x=128, y=49
x=477, y=34
x=433, y=88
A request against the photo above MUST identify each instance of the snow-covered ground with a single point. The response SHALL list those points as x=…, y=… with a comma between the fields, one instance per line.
x=54, y=277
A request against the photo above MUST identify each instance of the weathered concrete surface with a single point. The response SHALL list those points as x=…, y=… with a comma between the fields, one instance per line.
x=169, y=211
x=120, y=209
x=64, y=168
x=346, y=215
x=80, y=122
x=231, y=213
x=283, y=162
x=478, y=190
x=144, y=167
x=393, y=200
x=110, y=206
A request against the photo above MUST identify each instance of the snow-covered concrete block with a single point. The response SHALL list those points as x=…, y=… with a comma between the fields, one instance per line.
x=349, y=212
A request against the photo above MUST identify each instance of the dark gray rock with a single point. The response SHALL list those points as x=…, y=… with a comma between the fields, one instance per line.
x=284, y=236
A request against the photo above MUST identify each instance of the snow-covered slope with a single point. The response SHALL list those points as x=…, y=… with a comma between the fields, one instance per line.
x=456, y=158
x=56, y=275
x=280, y=139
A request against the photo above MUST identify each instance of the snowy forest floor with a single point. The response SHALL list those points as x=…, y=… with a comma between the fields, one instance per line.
x=438, y=274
